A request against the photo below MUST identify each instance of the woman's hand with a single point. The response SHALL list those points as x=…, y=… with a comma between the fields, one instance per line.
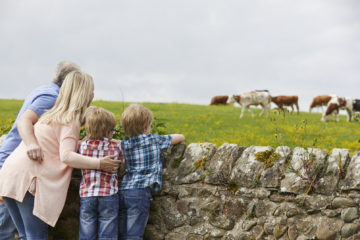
x=2, y=200
x=34, y=152
x=108, y=164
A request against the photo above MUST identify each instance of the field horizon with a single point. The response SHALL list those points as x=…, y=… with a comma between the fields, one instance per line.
x=221, y=124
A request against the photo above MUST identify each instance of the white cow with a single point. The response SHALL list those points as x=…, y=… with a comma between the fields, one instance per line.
x=337, y=103
x=247, y=99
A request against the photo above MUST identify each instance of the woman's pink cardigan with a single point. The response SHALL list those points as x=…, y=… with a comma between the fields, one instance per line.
x=52, y=175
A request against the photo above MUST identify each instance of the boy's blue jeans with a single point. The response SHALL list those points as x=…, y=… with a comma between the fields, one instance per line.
x=134, y=212
x=99, y=217
x=29, y=226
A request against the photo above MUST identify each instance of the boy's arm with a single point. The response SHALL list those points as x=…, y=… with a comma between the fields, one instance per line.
x=177, y=138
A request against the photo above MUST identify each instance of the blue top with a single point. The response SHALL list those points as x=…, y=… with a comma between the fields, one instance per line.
x=39, y=100
x=143, y=160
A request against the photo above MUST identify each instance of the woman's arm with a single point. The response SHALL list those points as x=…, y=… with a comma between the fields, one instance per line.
x=25, y=126
x=68, y=146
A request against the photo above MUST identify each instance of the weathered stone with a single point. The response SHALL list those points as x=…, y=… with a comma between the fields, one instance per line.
x=292, y=183
x=221, y=164
x=331, y=213
x=168, y=189
x=196, y=159
x=292, y=212
x=215, y=234
x=206, y=228
x=222, y=223
x=279, y=230
x=262, y=207
x=153, y=233
x=196, y=220
x=194, y=237
x=271, y=177
x=307, y=226
x=183, y=206
x=247, y=170
x=235, y=208
x=313, y=204
x=349, y=229
x=185, y=191
x=295, y=181
x=338, y=162
x=172, y=217
x=257, y=232
x=279, y=210
x=352, y=179
x=269, y=226
x=247, y=225
x=175, y=236
x=282, y=198
x=172, y=156
x=324, y=232
x=349, y=214
x=259, y=193
x=292, y=232
x=341, y=202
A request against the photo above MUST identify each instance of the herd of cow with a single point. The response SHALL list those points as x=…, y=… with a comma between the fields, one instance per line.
x=263, y=98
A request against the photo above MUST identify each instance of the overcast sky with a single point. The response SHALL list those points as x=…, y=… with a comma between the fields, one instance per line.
x=184, y=51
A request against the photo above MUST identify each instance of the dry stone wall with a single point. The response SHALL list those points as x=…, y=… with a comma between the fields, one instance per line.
x=228, y=193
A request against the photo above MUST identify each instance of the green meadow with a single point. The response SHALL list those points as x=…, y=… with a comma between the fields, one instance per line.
x=221, y=124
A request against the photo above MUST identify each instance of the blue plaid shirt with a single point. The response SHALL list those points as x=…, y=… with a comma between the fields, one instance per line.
x=143, y=161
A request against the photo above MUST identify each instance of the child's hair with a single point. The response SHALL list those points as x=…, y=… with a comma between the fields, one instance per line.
x=135, y=119
x=98, y=122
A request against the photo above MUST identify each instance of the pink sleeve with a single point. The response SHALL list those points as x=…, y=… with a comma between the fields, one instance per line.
x=69, y=135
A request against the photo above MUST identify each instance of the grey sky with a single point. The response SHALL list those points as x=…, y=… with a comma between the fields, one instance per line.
x=184, y=51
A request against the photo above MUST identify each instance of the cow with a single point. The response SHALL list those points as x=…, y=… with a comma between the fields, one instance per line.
x=282, y=101
x=319, y=101
x=219, y=100
x=247, y=99
x=337, y=103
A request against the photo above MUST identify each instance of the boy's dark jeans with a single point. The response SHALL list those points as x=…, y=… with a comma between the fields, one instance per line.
x=134, y=212
x=99, y=217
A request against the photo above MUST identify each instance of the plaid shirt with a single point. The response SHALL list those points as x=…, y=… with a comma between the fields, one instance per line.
x=143, y=161
x=97, y=182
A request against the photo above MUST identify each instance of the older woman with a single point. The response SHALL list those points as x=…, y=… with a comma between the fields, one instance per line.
x=34, y=191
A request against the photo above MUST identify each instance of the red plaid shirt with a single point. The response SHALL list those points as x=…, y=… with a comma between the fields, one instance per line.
x=97, y=182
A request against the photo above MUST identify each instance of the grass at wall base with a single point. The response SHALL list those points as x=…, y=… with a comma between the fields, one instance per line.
x=221, y=124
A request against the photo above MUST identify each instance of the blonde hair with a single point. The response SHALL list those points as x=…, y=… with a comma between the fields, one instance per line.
x=75, y=96
x=98, y=122
x=63, y=68
x=135, y=119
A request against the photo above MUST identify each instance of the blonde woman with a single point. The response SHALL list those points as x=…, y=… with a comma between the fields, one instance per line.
x=35, y=191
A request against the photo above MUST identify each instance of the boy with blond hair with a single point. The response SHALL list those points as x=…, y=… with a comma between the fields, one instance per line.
x=99, y=201
x=141, y=151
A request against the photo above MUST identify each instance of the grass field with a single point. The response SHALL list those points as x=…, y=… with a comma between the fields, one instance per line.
x=221, y=124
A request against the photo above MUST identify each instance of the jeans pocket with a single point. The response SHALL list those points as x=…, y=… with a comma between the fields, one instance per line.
x=87, y=209
x=134, y=205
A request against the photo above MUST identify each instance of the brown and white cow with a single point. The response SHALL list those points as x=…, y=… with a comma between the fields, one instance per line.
x=247, y=99
x=337, y=103
x=319, y=101
x=219, y=100
x=282, y=101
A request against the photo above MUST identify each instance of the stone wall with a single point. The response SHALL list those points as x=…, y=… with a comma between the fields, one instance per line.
x=230, y=193
x=225, y=193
